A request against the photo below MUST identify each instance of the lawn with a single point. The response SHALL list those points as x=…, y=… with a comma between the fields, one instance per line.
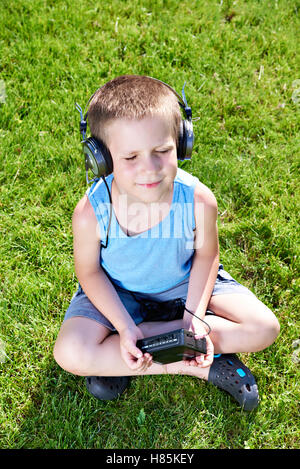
x=241, y=64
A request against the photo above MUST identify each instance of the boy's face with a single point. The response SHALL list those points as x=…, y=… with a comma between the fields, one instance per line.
x=144, y=158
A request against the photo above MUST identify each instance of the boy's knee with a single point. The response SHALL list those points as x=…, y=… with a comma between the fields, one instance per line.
x=269, y=329
x=273, y=328
x=71, y=356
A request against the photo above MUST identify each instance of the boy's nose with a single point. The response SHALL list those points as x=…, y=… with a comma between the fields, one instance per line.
x=151, y=163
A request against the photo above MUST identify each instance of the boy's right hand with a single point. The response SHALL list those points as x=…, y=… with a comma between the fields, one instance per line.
x=133, y=357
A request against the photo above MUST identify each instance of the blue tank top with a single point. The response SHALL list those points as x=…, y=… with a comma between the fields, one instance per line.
x=157, y=259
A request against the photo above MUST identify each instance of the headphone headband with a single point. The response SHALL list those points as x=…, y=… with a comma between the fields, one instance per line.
x=182, y=100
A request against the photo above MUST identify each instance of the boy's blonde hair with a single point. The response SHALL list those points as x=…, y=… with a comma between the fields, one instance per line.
x=132, y=97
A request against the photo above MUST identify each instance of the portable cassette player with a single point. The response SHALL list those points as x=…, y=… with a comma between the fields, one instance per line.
x=173, y=346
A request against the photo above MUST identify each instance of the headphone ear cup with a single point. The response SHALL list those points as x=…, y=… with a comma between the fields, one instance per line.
x=180, y=145
x=97, y=157
x=185, y=140
x=189, y=138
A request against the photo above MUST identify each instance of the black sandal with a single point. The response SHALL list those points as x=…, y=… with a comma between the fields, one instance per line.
x=227, y=372
x=107, y=388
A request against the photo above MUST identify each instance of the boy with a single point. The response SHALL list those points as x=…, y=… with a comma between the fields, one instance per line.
x=149, y=236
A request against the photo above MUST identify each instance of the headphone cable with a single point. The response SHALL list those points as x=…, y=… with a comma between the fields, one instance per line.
x=193, y=314
x=110, y=211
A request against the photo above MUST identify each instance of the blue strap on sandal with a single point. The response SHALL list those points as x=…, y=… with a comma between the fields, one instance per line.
x=107, y=388
x=227, y=372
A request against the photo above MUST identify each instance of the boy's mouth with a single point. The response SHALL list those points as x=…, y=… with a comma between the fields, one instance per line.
x=150, y=185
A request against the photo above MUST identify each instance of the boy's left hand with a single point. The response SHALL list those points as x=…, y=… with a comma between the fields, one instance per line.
x=202, y=360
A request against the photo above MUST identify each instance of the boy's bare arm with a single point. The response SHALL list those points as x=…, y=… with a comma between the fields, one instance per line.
x=92, y=278
x=206, y=257
x=98, y=287
x=204, y=268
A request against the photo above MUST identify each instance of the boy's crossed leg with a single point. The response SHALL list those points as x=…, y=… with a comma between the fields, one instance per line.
x=86, y=348
x=241, y=323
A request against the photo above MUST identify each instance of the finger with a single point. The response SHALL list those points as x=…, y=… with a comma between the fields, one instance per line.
x=137, y=364
x=208, y=359
x=191, y=362
x=149, y=361
x=133, y=350
x=187, y=362
x=141, y=363
x=145, y=359
x=209, y=346
x=201, y=334
x=144, y=365
x=200, y=360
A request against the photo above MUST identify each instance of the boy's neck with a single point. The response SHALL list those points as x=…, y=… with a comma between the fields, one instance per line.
x=135, y=216
x=130, y=200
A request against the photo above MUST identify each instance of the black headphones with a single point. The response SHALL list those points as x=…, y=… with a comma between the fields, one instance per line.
x=97, y=156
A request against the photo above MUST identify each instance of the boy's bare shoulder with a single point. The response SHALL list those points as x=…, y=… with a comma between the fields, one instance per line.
x=84, y=216
x=204, y=195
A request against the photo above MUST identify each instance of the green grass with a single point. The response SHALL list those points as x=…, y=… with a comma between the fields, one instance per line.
x=240, y=60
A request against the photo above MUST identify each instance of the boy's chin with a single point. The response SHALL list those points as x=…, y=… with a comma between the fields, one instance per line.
x=151, y=195
x=148, y=198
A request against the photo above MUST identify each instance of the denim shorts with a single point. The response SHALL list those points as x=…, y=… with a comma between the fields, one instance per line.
x=81, y=306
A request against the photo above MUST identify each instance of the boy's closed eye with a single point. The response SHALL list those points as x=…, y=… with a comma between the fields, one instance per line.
x=166, y=150
x=130, y=158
